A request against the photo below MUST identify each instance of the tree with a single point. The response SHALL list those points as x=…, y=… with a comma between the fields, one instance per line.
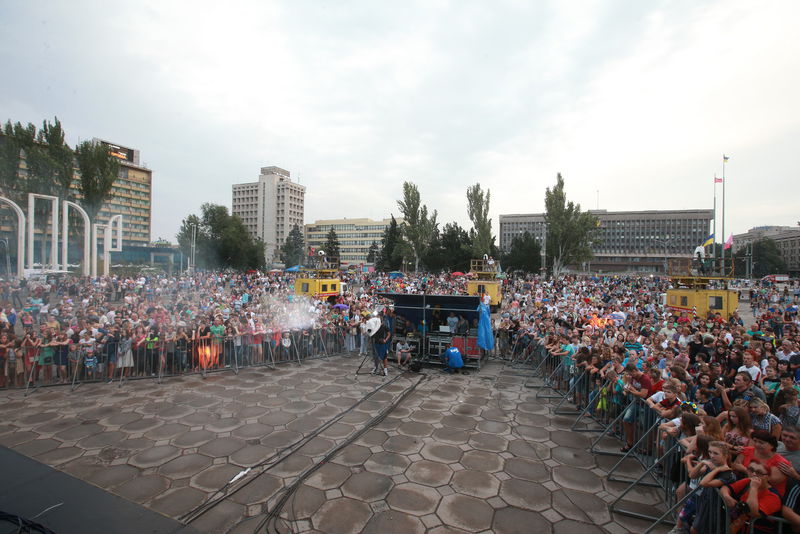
x=98, y=170
x=570, y=232
x=292, y=252
x=525, y=254
x=418, y=226
x=331, y=246
x=451, y=250
x=766, y=259
x=390, y=256
x=373, y=252
x=222, y=241
x=478, y=208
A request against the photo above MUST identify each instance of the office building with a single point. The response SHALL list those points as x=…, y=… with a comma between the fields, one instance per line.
x=269, y=208
x=355, y=236
x=638, y=241
x=786, y=238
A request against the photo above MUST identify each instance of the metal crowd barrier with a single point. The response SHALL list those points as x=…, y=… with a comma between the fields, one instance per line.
x=603, y=408
x=34, y=367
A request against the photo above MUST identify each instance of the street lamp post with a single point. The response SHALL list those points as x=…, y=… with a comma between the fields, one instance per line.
x=192, y=249
x=664, y=243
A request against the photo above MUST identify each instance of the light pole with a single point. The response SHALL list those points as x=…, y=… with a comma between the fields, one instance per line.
x=664, y=243
x=192, y=249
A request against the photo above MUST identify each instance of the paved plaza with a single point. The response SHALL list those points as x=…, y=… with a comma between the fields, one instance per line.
x=463, y=453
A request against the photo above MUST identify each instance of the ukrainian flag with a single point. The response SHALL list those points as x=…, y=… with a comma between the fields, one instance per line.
x=709, y=241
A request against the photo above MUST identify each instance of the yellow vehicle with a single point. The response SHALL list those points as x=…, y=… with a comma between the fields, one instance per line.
x=484, y=280
x=700, y=293
x=321, y=282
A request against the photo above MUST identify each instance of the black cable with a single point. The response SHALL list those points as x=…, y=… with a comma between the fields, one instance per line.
x=22, y=525
x=272, y=515
x=271, y=462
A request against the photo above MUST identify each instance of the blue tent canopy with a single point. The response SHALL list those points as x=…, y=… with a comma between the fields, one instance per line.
x=395, y=274
x=294, y=269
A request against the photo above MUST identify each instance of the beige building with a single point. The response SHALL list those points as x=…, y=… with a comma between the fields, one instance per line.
x=786, y=238
x=355, y=236
x=269, y=208
x=638, y=241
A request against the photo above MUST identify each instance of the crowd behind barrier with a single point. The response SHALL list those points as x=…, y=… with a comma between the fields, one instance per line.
x=712, y=429
x=664, y=382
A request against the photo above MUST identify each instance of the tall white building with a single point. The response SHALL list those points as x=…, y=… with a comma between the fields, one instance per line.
x=270, y=208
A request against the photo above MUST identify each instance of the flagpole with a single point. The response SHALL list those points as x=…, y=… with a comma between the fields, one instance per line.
x=724, y=159
x=714, y=211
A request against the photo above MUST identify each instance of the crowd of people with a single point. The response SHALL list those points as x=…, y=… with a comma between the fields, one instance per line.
x=728, y=389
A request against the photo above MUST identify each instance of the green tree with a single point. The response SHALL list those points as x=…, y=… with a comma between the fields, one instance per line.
x=525, y=254
x=570, y=232
x=478, y=208
x=292, y=252
x=332, y=247
x=418, y=227
x=98, y=171
x=222, y=241
x=451, y=250
x=766, y=259
x=390, y=255
x=373, y=252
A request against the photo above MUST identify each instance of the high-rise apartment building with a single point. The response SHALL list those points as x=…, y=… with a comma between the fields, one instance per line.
x=626, y=240
x=270, y=207
x=355, y=236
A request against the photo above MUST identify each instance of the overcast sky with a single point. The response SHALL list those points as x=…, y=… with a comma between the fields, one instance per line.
x=638, y=100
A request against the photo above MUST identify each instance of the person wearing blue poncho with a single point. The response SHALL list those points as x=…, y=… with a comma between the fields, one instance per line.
x=485, y=333
x=452, y=360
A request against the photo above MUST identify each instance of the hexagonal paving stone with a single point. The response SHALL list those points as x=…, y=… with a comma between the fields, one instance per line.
x=529, y=449
x=574, y=457
x=277, y=417
x=493, y=427
x=167, y=431
x=177, y=502
x=526, y=469
x=142, y=425
x=143, y=488
x=174, y=412
x=155, y=456
x=482, y=461
x=512, y=520
x=467, y=409
x=280, y=439
x=390, y=521
x=581, y=506
x=120, y=419
x=328, y=476
x=567, y=526
x=221, y=447
x=299, y=406
x=533, y=433
x=414, y=499
x=293, y=465
x=104, y=439
x=80, y=431
x=467, y=513
x=260, y=490
x=352, y=455
x=215, y=477
x=425, y=416
x=184, y=466
x=252, y=431
x=304, y=424
x=475, y=483
x=415, y=429
x=60, y=455
x=38, y=446
x=451, y=435
x=441, y=453
x=304, y=503
x=338, y=430
x=525, y=494
x=387, y=463
x=317, y=446
x=488, y=442
x=366, y=486
x=566, y=438
x=194, y=438
x=403, y=444
x=113, y=475
x=251, y=455
x=495, y=414
x=221, y=518
x=342, y=516
x=577, y=478
x=429, y=473
x=372, y=438
x=460, y=422
x=225, y=424
x=37, y=418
